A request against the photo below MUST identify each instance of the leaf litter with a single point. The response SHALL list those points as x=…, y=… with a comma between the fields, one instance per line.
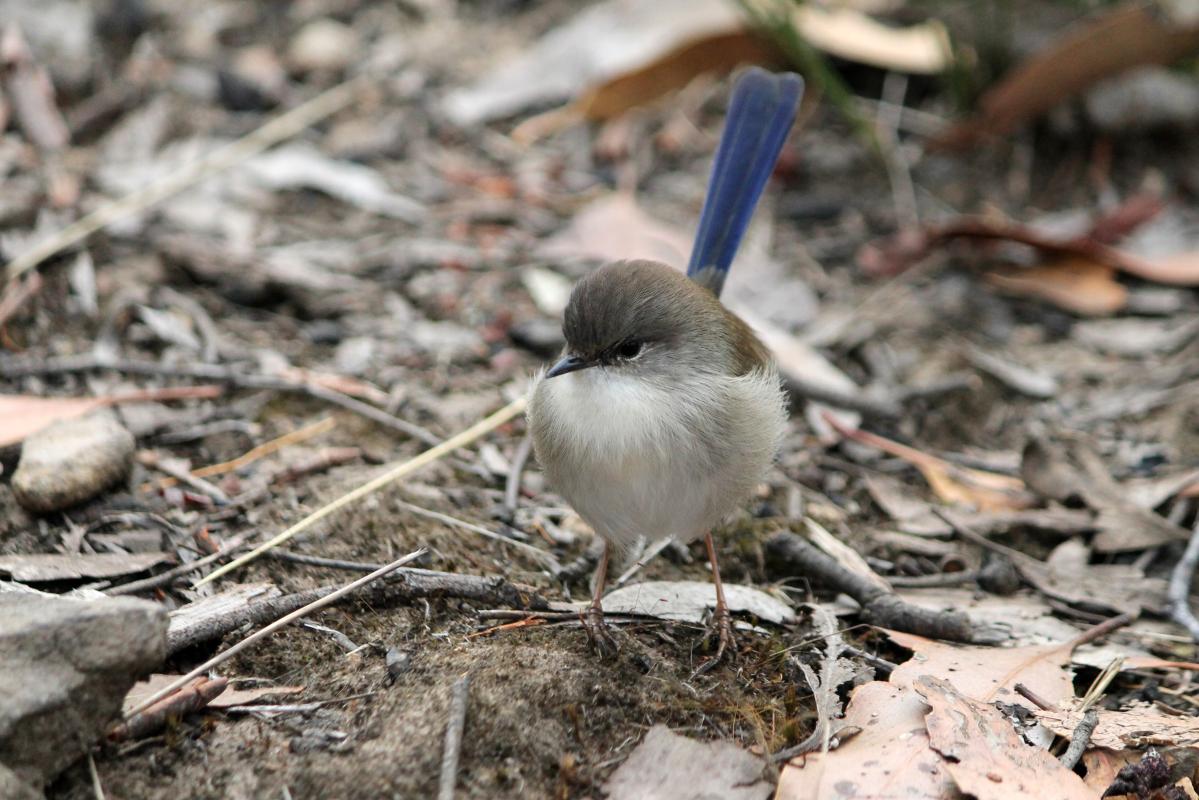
x=392, y=256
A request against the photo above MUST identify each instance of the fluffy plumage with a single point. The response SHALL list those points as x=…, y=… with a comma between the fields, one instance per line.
x=669, y=441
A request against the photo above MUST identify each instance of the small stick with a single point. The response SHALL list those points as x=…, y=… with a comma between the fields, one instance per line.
x=264, y=449
x=512, y=485
x=453, y=738
x=540, y=555
x=1080, y=739
x=649, y=555
x=163, y=578
x=1179, y=590
x=508, y=412
x=151, y=460
x=316, y=605
x=97, y=788
x=1033, y=697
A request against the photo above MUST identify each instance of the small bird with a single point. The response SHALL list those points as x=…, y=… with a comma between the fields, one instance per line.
x=665, y=410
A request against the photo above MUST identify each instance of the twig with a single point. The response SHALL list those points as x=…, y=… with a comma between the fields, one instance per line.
x=151, y=460
x=316, y=605
x=262, y=450
x=1080, y=739
x=879, y=607
x=285, y=125
x=154, y=718
x=163, y=578
x=1033, y=697
x=97, y=788
x=1179, y=590
x=320, y=561
x=404, y=585
x=515, y=469
x=903, y=195
x=542, y=556
x=467, y=436
x=16, y=295
x=453, y=738
x=12, y=368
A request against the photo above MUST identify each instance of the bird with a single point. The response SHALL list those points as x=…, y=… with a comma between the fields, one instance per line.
x=665, y=410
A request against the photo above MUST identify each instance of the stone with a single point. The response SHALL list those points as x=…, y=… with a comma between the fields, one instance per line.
x=71, y=461
x=323, y=44
x=65, y=668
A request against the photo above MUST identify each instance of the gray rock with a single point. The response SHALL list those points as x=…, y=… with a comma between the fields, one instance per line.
x=65, y=667
x=72, y=461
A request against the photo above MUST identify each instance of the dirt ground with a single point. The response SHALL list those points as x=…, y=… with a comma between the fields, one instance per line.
x=436, y=314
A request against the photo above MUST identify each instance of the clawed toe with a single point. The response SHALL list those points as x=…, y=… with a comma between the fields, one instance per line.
x=598, y=632
x=722, y=625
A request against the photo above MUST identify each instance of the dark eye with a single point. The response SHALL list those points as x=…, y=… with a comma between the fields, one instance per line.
x=629, y=349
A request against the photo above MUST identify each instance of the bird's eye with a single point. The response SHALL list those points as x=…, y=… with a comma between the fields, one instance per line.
x=630, y=348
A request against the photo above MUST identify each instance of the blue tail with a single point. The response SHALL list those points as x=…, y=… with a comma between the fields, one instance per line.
x=760, y=114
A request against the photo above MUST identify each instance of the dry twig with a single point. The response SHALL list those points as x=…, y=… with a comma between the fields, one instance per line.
x=453, y=738
x=393, y=474
x=1179, y=591
x=316, y=605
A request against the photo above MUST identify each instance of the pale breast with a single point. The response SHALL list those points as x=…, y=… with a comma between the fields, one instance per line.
x=637, y=459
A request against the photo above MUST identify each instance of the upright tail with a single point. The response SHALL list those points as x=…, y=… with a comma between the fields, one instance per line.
x=760, y=114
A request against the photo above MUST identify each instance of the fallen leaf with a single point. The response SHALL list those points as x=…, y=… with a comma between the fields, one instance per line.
x=890, y=758
x=986, y=757
x=27, y=84
x=688, y=601
x=986, y=491
x=244, y=697
x=68, y=567
x=1103, y=765
x=302, y=166
x=666, y=766
x=1129, y=35
x=987, y=674
x=1135, y=727
x=1074, y=284
x=21, y=415
x=847, y=33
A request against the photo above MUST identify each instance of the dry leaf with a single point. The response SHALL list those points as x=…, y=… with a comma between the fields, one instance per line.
x=666, y=766
x=1133, y=34
x=986, y=491
x=1103, y=765
x=21, y=415
x=986, y=757
x=68, y=567
x=890, y=758
x=987, y=673
x=1141, y=726
x=922, y=49
x=689, y=601
x=1074, y=284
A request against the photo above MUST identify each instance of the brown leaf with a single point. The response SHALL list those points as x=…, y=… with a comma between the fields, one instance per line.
x=986, y=757
x=28, y=86
x=889, y=758
x=21, y=415
x=1141, y=726
x=987, y=674
x=1074, y=284
x=717, y=52
x=1130, y=35
x=1103, y=765
x=986, y=491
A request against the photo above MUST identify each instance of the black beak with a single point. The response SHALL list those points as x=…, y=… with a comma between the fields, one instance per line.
x=568, y=364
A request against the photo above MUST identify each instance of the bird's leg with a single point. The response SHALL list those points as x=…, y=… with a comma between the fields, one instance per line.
x=721, y=620
x=593, y=617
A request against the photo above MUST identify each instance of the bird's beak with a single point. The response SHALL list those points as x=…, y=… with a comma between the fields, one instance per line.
x=568, y=364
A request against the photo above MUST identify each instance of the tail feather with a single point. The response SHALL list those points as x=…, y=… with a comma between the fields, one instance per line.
x=761, y=111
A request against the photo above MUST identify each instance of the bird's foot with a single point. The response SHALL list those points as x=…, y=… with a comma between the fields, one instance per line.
x=598, y=632
x=722, y=625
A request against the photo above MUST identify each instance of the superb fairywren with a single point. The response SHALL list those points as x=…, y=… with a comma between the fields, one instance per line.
x=666, y=410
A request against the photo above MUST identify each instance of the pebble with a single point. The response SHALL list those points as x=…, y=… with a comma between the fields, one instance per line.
x=323, y=44
x=71, y=461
